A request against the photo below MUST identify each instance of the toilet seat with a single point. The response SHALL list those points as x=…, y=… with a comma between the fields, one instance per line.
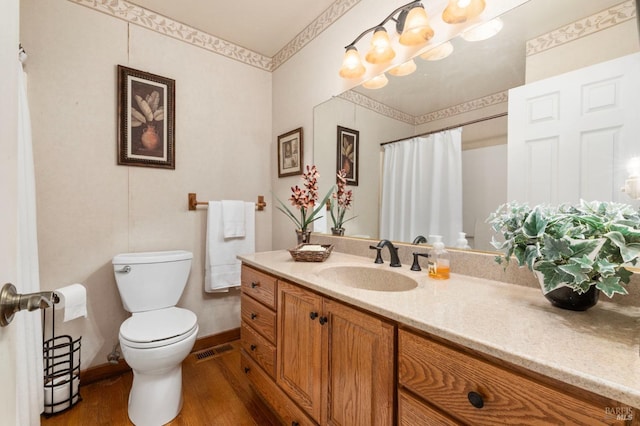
x=161, y=327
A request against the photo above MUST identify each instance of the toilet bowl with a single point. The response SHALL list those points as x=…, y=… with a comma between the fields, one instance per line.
x=158, y=336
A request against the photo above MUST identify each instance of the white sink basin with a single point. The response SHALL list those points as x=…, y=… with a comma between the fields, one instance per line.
x=368, y=278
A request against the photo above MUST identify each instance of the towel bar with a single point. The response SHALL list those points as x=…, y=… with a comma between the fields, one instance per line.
x=193, y=202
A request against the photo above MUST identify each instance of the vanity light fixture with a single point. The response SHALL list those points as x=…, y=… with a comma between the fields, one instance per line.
x=438, y=52
x=459, y=11
x=352, y=66
x=413, y=26
x=381, y=51
x=483, y=31
x=377, y=82
x=403, y=69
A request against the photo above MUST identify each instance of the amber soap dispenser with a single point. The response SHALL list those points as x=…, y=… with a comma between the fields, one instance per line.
x=438, y=259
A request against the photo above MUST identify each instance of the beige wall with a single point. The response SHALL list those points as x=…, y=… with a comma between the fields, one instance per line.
x=89, y=208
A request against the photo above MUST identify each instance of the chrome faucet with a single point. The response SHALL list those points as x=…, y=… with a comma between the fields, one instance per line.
x=393, y=251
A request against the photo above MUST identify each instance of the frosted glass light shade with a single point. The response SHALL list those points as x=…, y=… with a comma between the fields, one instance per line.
x=403, y=69
x=381, y=50
x=376, y=82
x=416, y=30
x=483, y=31
x=459, y=11
x=438, y=52
x=352, y=66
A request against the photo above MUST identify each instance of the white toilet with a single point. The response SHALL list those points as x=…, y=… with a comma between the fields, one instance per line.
x=158, y=336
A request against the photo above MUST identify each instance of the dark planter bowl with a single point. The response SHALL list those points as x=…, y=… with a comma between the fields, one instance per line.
x=566, y=298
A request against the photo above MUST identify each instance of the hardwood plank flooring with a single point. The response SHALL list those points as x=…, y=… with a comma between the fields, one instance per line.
x=215, y=392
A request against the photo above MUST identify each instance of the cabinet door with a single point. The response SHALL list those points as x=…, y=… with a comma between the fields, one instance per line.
x=299, y=346
x=358, y=369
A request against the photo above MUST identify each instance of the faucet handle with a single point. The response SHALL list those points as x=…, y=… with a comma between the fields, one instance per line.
x=378, y=254
x=416, y=264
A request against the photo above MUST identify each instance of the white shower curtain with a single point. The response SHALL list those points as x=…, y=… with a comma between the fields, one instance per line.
x=29, y=370
x=422, y=187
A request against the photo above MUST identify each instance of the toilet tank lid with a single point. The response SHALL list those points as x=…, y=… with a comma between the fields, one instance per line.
x=151, y=257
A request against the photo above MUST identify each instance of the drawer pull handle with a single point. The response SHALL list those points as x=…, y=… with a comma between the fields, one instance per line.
x=323, y=320
x=475, y=399
x=313, y=315
x=254, y=316
x=255, y=284
x=253, y=347
x=246, y=370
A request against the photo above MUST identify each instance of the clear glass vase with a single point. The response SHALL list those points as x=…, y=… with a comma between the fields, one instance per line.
x=337, y=231
x=304, y=236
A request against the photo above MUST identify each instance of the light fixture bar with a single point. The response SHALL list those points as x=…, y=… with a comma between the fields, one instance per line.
x=391, y=17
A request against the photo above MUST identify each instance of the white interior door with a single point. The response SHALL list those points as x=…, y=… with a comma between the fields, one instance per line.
x=9, y=18
x=570, y=136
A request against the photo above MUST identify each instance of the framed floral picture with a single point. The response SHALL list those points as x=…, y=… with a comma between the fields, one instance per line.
x=290, y=157
x=146, y=119
x=347, y=158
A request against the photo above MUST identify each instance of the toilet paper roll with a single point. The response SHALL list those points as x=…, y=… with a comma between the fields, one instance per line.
x=73, y=299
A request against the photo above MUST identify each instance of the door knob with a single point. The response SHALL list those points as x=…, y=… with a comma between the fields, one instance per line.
x=12, y=302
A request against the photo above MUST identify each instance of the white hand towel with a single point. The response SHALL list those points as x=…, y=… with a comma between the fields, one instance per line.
x=233, y=218
x=222, y=268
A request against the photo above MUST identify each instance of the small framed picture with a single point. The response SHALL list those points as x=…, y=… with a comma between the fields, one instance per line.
x=347, y=158
x=146, y=119
x=290, y=153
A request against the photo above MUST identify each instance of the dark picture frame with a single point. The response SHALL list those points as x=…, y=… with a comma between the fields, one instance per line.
x=290, y=146
x=347, y=153
x=146, y=119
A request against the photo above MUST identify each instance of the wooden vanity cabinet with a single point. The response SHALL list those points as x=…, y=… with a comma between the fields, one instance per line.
x=258, y=341
x=315, y=360
x=336, y=362
x=436, y=378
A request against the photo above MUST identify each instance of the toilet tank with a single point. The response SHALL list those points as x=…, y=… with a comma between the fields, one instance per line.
x=151, y=280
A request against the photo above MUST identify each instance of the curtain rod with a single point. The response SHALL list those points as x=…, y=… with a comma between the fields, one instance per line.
x=479, y=120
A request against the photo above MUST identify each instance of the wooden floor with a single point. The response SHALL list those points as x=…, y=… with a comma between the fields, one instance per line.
x=215, y=392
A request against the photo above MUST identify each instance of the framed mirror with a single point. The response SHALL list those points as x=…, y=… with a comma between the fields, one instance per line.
x=470, y=88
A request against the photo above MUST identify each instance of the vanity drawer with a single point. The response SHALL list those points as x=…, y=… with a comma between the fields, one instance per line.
x=286, y=409
x=261, y=318
x=446, y=377
x=412, y=411
x=259, y=349
x=259, y=285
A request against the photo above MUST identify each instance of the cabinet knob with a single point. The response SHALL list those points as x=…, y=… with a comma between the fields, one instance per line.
x=254, y=284
x=294, y=423
x=253, y=316
x=246, y=370
x=475, y=399
x=253, y=347
x=323, y=320
x=313, y=315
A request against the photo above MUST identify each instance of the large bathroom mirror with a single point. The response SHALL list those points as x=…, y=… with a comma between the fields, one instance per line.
x=467, y=88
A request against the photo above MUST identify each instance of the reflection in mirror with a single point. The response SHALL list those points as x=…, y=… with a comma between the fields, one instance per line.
x=471, y=85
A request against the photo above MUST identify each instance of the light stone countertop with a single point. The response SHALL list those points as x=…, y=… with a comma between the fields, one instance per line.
x=597, y=350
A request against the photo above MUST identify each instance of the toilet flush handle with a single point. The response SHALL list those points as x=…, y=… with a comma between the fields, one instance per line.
x=125, y=269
